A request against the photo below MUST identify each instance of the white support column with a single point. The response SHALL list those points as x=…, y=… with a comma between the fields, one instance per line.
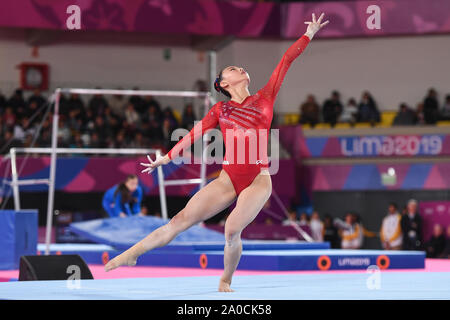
x=51, y=191
x=15, y=184
x=162, y=189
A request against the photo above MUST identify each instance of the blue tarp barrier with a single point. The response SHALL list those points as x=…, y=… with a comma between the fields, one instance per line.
x=18, y=236
x=121, y=233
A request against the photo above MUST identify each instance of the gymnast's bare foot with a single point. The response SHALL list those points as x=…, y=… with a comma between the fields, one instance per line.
x=124, y=259
x=224, y=286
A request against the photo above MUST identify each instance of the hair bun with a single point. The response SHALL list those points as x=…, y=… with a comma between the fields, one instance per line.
x=217, y=85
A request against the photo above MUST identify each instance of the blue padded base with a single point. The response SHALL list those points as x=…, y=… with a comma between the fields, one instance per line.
x=254, y=258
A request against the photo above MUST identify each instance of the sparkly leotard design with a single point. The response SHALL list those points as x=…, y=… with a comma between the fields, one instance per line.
x=239, y=120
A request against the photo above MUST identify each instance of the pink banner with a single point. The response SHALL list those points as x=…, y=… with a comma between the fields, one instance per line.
x=358, y=18
x=247, y=19
x=244, y=19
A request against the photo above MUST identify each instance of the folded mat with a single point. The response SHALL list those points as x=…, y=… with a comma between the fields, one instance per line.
x=121, y=233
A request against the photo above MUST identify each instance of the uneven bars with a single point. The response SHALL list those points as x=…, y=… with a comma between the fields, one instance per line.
x=161, y=93
x=87, y=150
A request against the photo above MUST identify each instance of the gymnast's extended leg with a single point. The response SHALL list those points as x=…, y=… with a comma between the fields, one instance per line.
x=207, y=202
x=249, y=203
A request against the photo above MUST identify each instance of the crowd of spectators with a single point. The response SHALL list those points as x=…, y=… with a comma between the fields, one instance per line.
x=399, y=231
x=117, y=122
x=136, y=122
x=334, y=111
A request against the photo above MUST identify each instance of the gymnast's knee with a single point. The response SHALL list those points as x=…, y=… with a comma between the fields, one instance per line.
x=232, y=237
x=179, y=222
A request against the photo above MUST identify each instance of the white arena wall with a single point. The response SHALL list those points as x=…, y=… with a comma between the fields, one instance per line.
x=394, y=69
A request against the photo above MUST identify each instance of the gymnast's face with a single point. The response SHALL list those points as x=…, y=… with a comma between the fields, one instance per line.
x=232, y=75
x=132, y=184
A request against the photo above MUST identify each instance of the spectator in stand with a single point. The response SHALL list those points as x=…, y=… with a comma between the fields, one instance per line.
x=330, y=232
x=152, y=114
x=120, y=140
x=44, y=139
x=351, y=233
x=10, y=141
x=64, y=133
x=17, y=103
x=332, y=109
x=112, y=120
x=431, y=107
x=63, y=105
x=102, y=129
x=420, y=116
x=304, y=219
x=168, y=114
x=367, y=109
x=9, y=118
x=2, y=102
x=391, y=229
x=37, y=98
x=138, y=102
x=117, y=104
x=131, y=116
x=310, y=111
x=138, y=141
x=316, y=227
x=89, y=121
x=167, y=130
x=3, y=142
x=445, y=111
x=2, y=126
x=75, y=106
x=22, y=129
x=436, y=245
x=405, y=116
x=291, y=218
x=412, y=227
x=98, y=104
x=151, y=101
x=350, y=112
x=31, y=110
x=77, y=142
x=187, y=121
x=27, y=142
x=152, y=121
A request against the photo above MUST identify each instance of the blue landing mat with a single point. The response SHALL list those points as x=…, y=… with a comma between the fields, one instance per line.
x=289, y=258
x=349, y=286
x=197, y=246
x=122, y=233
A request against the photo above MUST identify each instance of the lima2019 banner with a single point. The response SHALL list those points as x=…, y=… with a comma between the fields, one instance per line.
x=378, y=146
x=301, y=147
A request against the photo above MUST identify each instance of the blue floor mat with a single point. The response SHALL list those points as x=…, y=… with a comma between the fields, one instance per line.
x=348, y=286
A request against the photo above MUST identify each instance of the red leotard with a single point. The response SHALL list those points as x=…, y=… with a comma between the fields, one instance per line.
x=238, y=119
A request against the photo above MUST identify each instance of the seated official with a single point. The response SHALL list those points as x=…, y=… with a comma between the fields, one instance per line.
x=123, y=199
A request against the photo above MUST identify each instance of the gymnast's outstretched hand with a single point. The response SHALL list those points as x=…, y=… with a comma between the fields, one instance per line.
x=154, y=164
x=314, y=26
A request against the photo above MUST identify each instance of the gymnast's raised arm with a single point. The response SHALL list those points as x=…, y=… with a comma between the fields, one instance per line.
x=270, y=90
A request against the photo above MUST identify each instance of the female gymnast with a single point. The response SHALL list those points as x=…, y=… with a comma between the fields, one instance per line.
x=249, y=182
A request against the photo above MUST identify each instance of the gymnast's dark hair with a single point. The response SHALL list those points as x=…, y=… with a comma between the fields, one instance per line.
x=217, y=86
x=124, y=192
